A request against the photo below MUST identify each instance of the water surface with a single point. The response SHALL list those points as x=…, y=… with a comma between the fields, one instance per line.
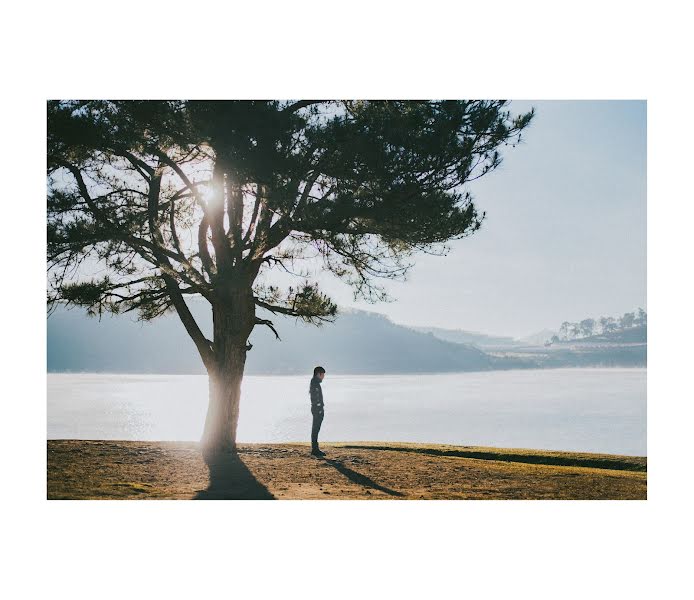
x=592, y=410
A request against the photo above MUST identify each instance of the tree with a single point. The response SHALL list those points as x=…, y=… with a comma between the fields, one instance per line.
x=587, y=326
x=608, y=324
x=641, y=318
x=565, y=330
x=181, y=198
x=627, y=320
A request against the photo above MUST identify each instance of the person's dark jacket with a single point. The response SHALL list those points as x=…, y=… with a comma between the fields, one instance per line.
x=316, y=393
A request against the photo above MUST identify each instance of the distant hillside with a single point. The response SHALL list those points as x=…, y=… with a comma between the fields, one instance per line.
x=358, y=342
x=460, y=336
x=624, y=348
x=633, y=335
x=629, y=328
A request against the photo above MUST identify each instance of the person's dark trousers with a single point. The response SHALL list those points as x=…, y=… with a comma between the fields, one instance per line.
x=317, y=420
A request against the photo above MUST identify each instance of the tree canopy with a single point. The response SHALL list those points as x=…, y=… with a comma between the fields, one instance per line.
x=202, y=197
x=603, y=326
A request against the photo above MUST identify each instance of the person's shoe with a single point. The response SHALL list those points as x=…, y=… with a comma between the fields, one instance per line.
x=317, y=452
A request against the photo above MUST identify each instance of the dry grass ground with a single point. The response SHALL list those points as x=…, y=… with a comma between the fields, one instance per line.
x=80, y=469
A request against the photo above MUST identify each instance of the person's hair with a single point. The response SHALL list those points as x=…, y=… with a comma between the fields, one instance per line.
x=318, y=370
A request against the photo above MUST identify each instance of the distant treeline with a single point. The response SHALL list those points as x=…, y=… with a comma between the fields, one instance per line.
x=602, y=326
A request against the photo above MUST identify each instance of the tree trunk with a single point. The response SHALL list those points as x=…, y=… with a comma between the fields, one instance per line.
x=223, y=411
x=233, y=322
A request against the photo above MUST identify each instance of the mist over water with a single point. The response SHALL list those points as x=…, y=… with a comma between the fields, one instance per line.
x=592, y=410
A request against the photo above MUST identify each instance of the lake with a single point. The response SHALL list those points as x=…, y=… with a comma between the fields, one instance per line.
x=591, y=410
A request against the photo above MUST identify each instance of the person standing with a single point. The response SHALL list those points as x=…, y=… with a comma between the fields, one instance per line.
x=316, y=393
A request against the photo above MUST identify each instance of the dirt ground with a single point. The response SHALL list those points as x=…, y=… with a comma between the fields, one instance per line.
x=124, y=470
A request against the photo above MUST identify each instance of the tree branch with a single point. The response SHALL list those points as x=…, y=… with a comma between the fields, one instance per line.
x=184, y=178
x=203, y=345
x=251, y=224
x=234, y=201
x=203, y=249
x=292, y=108
x=259, y=321
x=215, y=217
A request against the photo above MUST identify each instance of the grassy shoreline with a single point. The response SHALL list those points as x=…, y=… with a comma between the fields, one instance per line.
x=106, y=469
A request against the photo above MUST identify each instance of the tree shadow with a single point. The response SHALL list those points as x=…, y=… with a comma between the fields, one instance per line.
x=620, y=463
x=230, y=479
x=359, y=478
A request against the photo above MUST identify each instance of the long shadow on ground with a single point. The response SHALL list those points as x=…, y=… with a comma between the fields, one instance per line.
x=230, y=479
x=620, y=463
x=359, y=478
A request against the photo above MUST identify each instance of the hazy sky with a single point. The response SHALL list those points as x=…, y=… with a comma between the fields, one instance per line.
x=564, y=237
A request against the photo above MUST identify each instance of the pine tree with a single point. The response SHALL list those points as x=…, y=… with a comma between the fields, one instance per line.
x=181, y=198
